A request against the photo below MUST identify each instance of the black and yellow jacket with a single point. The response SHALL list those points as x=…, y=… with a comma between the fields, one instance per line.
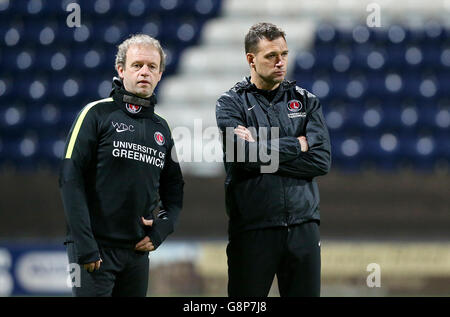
x=119, y=164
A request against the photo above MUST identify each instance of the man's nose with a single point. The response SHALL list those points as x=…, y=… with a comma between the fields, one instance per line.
x=145, y=71
x=280, y=62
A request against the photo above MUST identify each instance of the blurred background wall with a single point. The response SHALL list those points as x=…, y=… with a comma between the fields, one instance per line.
x=380, y=68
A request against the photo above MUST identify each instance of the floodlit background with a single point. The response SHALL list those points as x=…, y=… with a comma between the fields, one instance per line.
x=380, y=68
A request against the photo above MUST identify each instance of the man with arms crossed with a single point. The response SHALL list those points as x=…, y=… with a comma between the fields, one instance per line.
x=117, y=166
x=273, y=217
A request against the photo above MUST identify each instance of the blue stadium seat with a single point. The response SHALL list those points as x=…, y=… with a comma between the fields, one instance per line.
x=101, y=7
x=336, y=119
x=47, y=118
x=420, y=150
x=205, y=9
x=369, y=57
x=45, y=62
x=441, y=118
x=13, y=36
x=9, y=59
x=51, y=150
x=6, y=89
x=326, y=33
x=431, y=54
x=377, y=89
x=443, y=84
x=393, y=116
x=12, y=119
x=443, y=146
x=382, y=150
x=347, y=152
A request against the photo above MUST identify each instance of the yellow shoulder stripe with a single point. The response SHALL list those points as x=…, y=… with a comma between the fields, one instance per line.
x=160, y=116
x=78, y=124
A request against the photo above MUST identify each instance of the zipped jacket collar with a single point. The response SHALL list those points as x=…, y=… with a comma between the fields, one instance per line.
x=131, y=104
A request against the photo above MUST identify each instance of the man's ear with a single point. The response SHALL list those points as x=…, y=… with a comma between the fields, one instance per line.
x=120, y=71
x=250, y=59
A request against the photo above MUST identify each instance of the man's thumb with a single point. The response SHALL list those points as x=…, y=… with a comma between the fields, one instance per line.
x=147, y=222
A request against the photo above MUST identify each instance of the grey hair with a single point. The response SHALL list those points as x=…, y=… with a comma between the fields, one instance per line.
x=139, y=39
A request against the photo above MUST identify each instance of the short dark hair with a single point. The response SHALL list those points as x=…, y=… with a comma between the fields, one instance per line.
x=259, y=31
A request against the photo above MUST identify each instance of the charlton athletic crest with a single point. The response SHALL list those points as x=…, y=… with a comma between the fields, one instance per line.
x=133, y=108
x=294, y=106
x=159, y=138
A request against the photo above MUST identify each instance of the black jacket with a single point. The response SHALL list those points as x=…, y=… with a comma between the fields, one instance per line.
x=117, y=166
x=290, y=195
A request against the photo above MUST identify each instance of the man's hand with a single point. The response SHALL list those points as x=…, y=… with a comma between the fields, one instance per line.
x=303, y=143
x=145, y=244
x=93, y=266
x=244, y=133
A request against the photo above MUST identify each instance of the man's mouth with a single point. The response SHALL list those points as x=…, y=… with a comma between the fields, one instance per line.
x=144, y=82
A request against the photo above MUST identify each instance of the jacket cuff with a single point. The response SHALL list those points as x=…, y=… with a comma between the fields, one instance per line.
x=154, y=237
x=292, y=148
x=89, y=258
x=159, y=231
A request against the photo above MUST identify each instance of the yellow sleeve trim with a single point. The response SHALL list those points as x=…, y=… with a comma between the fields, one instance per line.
x=78, y=124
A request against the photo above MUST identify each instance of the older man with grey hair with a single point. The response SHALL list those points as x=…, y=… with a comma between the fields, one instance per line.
x=119, y=166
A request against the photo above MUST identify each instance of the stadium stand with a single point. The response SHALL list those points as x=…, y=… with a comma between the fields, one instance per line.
x=384, y=90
